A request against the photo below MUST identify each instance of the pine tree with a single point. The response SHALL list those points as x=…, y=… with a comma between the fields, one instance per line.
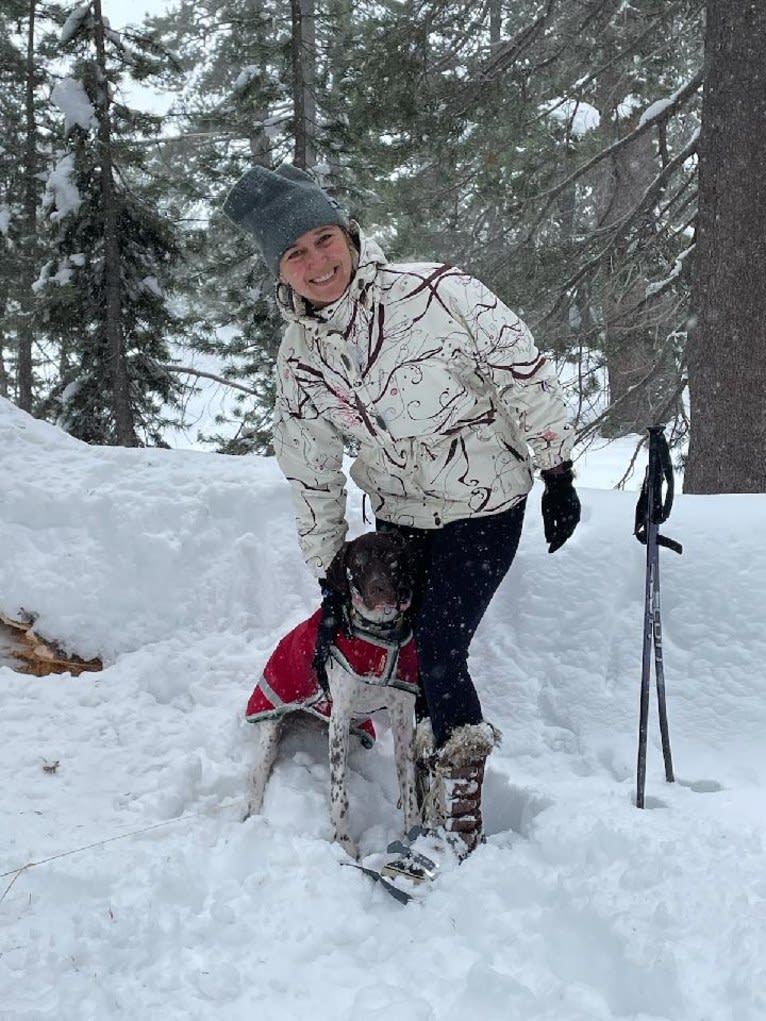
x=25, y=41
x=458, y=132
x=477, y=121
x=248, y=100
x=636, y=219
x=233, y=110
x=727, y=352
x=102, y=293
x=11, y=133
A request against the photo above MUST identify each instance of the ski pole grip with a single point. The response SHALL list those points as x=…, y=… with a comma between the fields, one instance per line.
x=651, y=507
x=660, y=467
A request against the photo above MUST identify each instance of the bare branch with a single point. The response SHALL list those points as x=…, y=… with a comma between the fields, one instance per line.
x=208, y=375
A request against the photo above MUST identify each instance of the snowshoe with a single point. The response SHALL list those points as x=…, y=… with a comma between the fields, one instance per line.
x=410, y=864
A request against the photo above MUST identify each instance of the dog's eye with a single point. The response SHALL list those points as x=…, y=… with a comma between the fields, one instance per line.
x=357, y=565
x=360, y=561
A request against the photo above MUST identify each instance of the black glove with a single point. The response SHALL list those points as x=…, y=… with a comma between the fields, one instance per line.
x=561, y=505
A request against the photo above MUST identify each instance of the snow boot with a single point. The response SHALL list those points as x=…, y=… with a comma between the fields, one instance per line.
x=451, y=779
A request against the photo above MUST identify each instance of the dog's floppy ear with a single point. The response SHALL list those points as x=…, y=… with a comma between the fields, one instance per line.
x=397, y=539
x=397, y=543
x=337, y=576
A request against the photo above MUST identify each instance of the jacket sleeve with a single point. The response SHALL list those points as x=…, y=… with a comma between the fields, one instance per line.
x=524, y=380
x=310, y=453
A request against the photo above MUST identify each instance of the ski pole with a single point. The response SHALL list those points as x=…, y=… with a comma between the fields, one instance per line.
x=651, y=511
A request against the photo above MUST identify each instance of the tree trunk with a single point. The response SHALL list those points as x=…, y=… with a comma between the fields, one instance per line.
x=640, y=370
x=727, y=345
x=495, y=23
x=640, y=373
x=304, y=78
x=258, y=138
x=125, y=433
x=30, y=188
x=3, y=374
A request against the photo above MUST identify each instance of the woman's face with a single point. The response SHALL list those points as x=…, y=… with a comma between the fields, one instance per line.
x=318, y=265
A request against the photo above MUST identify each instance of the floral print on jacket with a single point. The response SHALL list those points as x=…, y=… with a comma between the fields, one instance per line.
x=436, y=381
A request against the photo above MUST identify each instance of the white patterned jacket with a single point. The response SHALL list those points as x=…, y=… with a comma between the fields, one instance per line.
x=438, y=383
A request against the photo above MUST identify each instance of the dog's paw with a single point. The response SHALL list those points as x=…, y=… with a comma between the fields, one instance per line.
x=254, y=807
x=348, y=845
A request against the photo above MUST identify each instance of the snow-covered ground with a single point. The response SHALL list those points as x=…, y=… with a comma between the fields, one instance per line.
x=145, y=897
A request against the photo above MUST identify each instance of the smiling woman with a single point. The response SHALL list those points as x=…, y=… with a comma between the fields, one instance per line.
x=444, y=394
x=319, y=265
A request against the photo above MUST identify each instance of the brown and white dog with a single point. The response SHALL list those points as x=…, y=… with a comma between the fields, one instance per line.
x=370, y=664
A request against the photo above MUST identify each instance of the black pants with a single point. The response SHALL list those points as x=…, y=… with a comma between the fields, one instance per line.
x=458, y=570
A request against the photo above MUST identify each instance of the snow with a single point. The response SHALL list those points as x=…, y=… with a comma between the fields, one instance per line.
x=675, y=271
x=61, y=192
x=70, y=97
x=580, y=117
x=659, y=107
x=245, y=76
x=655, y=110
x=73, y=22
x=626, y=107
x=130, y=886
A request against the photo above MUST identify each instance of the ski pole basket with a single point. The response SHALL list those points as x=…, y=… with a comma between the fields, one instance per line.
x=652, y=510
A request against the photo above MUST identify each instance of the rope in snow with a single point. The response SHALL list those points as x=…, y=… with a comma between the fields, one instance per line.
x=16, y=873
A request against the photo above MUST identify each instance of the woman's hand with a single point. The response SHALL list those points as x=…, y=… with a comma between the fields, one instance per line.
x=560, y=506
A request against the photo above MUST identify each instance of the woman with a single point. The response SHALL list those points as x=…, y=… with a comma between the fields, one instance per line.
x=444, y=393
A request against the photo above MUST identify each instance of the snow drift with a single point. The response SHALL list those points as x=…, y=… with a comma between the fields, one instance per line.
x=152, y=900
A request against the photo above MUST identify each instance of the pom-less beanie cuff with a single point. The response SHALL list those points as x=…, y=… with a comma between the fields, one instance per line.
x=278, y=206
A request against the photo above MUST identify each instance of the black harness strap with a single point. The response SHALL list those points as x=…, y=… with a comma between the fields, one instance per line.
x=333, y=620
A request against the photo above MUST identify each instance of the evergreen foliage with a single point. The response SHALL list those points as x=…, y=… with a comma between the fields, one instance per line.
x=11, y=135
x=235, y=109
x=498, y=153
x=103, y=307
x=26, y=38
x=548, y=146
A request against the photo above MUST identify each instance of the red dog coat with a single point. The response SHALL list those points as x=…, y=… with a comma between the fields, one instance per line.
x=290, y=682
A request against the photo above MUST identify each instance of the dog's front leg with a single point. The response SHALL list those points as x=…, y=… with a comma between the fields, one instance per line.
x=340, y=724
x=402, y=713
x=267, y=744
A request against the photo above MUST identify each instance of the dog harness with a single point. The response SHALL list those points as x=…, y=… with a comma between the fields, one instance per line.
x=290, y=682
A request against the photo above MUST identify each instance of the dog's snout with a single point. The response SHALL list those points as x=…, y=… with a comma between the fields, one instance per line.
x=379, y=571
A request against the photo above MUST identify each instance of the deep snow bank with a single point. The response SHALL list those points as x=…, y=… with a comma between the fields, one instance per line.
x=182, y=569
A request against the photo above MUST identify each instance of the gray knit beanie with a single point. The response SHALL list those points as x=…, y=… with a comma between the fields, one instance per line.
x=277, y=207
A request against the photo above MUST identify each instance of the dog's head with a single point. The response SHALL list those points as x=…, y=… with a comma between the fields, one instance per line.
x=375, y=573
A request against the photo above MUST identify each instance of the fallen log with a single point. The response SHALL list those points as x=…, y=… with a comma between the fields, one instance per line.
x=39, y=656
